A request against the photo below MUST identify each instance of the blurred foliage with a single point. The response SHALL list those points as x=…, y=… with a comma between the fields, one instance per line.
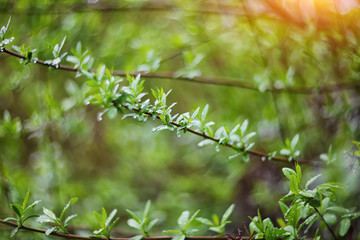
x=53, y=144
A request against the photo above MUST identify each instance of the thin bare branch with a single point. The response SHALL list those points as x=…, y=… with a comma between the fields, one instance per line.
x=88, y=8
x=238, y=83
x=73, y=236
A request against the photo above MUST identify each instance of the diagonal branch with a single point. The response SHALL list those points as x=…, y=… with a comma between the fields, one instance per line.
x=118, y=73
x=211, y=80
x=233, y=146
x=73, y=236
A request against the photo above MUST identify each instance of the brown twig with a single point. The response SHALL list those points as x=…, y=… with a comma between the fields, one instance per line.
x=118, y=73
x=210, y=80
x=251, y=152
x=157, y=7
x=73, y=236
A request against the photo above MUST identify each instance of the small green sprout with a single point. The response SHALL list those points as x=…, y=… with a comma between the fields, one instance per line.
x=216, y=225
x=143, y=224
x=21, y=213
x=105, y=222
x=3, y=30
x=56, y=54
x=49, y=216
x=185, y=222
x=328, y=157
x=290, y=148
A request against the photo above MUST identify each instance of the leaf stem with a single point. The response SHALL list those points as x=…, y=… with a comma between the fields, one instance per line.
x=73, y=236
x=327, y=225
x=238, y=83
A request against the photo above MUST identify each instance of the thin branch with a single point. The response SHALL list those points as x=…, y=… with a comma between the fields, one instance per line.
x=327, y=225
x=86, y=8
x=210, y=80
x=203, y=135
x=73, y=236
x=251, y=152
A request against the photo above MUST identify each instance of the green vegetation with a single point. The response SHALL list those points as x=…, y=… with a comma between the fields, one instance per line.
x=116, y=103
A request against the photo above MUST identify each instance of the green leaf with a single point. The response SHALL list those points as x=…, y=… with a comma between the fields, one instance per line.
x=255, y=225
x=10, y=219
x=134, y=216
x=330, y=218
x=311, y=180
x=344, y=226
x=69, y=218
x=244, y=126
x=216, y=220
x=147, y=209
x=134, y=224
x=50, y=230
x=284, y=208
x=49, y=213
x=309, y=222
x=294, y=141
x=217, y=229
x=110, y=217
x=289, y=197
x=196, y=112
x=181, y=237
x=259, y=217
x=298, y=173
x=353, y=215
x=101, y=72
x=31, y=216
x=294, y=187
x=112, y=225
x=183, y=219
x=152, y=224
x=288, y=172
x=193, y=217
x=17, y=209
x=245, y=157
x=227, y=213
x=14, y=231
x=307, y=193
x=92, y=83
x=103, y=217
x=99, y=219
x=204, y=221
x=137, y=237
x=204, y=112
x=293, y=214
x=171, y=231
x=337, y=209
x=67, y=206
x=285, y=152
x=112, y=112
x=26, y=199
x=31, y=206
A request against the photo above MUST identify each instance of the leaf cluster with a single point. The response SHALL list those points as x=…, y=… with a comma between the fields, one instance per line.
x=57, y=57
x=61, y=223
x=215, y=224
x=105, y=222
x=185, y=222
x=21, y=212
x=3, y=31
x=307, y=206
x=290, y=148
x=144, y=224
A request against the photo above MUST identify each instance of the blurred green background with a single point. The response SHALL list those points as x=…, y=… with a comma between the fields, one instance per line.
x=62, y=151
